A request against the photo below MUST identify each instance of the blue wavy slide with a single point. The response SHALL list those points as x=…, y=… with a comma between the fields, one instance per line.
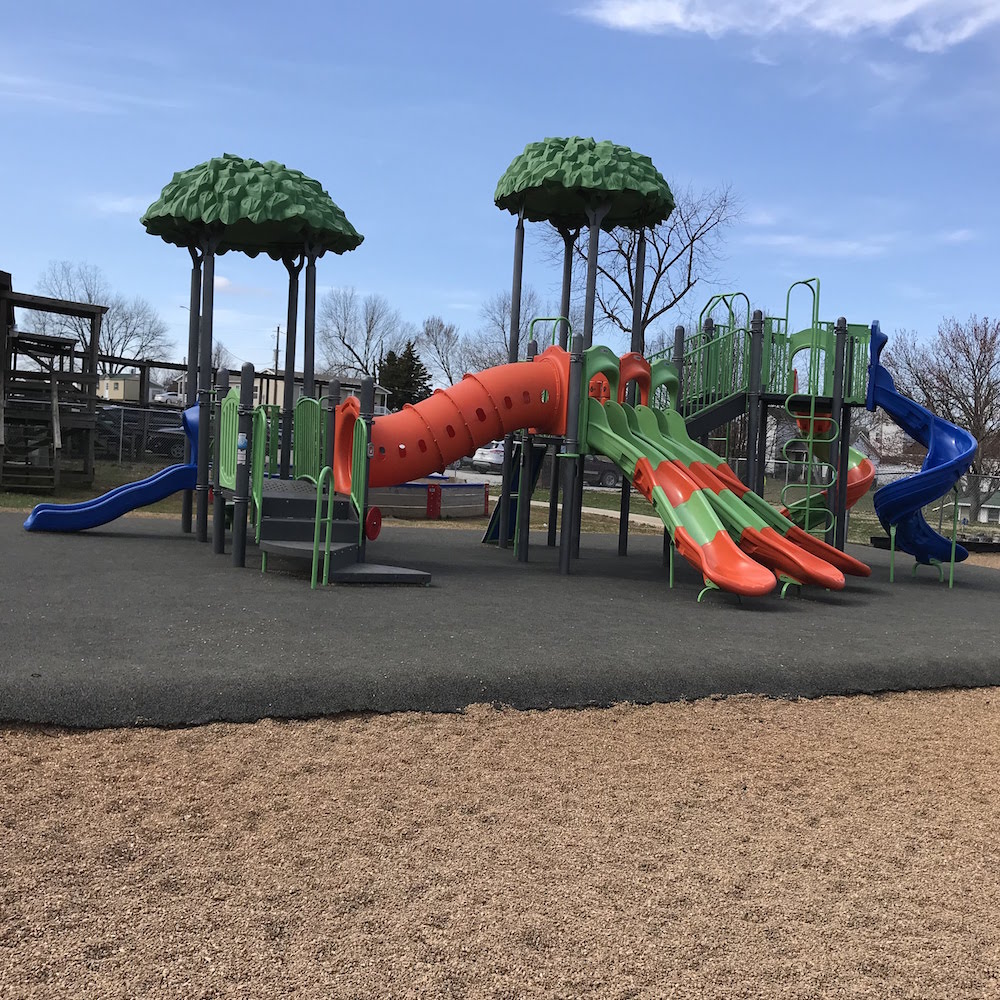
x=950, y=451
x=100, y=510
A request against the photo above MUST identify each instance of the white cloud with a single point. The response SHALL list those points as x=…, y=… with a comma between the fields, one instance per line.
x=760, y=217
x=230, y=287
x=111, y=204
x=924, y=25
x=19, y=89
x=761, y=58
x=804, y=245
x=957, y=236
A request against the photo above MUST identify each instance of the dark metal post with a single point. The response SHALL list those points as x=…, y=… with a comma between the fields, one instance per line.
x=705, y=380
x=678, y=359
x=309, y=329
x=288, y=404
x=524, y=483
x=569, y=241
x=754, y=477
x=566, y=529
x=594, y=216
x=836, y=415
x=368, y=416
x=639, y=347
x=205, y=392
x=513, y=348
x=333, y=392
x=191, y=387
x=218, y=501
x=244, y=450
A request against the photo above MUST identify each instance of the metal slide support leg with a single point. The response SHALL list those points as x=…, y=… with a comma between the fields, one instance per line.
x=218, y=501
x=244, y=451
x=524, y=484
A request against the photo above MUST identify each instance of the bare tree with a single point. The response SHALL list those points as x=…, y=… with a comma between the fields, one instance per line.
x=956, y=375
x=444, y=346
x=222, y=357
x=490, y=344
x=680, y=252
x=131, y=328
x=354, y=334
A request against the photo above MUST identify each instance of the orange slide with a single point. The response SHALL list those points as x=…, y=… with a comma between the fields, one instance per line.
x=453, y=422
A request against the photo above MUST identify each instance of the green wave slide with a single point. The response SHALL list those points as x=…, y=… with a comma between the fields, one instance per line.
x=732, y=536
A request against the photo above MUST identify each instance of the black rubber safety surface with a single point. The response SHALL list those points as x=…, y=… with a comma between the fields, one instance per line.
x=137, y=624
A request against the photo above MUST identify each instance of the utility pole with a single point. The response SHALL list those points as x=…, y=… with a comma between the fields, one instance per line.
x=277, y=334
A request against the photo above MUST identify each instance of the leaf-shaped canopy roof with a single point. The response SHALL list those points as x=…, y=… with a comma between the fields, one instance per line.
x=558, y=179
x=252, y=208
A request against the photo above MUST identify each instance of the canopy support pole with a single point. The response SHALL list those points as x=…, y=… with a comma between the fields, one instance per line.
x=513, y=350
x=205, y=388
x=569, y=242
x=309, y=327
x=595, y=216
x=638, y=347
x=293, y=265
x=191, y=384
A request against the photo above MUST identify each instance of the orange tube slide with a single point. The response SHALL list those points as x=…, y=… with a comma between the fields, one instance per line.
x=453, y=422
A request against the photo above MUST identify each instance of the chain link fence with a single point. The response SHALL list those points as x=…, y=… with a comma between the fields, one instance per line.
x=124, y=434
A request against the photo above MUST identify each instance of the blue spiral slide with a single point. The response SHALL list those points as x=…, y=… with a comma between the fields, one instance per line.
x=950, y=451
x=100, y=510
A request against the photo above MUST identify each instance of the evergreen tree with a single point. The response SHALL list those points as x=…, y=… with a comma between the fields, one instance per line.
x=405, y=376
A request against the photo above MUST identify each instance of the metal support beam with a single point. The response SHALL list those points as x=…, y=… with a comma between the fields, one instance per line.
x=638, y=347
x=836, y=416
x=293, y=265
x=244, y=452
x=218, y=501
x=309, y=329
x=754, y=477
x=191, y=387
x=524, y=484
x=513, y=348
x=368, y=416
x=569, y=466
x=205, y=390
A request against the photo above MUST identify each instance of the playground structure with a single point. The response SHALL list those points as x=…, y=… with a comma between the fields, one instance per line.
x=302, y=477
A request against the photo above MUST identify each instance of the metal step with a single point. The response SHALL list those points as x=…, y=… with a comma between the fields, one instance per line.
x=302, y=529
x=302, y=507
x=341, y=553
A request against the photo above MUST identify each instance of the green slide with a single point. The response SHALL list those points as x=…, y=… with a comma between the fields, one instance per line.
x=757, y=527
x=683, y=506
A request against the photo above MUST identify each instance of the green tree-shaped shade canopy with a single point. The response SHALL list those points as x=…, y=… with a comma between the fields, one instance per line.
x=252, y=207
x=556, y=180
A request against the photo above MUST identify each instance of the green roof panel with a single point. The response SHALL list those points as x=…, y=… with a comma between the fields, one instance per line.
x=558, y=179
x=252, y=207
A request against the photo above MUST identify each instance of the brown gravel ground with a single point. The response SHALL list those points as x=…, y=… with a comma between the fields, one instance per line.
x=844, y=847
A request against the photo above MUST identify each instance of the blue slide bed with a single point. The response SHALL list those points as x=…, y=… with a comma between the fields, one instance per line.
x=950, y=451
x=100, y=510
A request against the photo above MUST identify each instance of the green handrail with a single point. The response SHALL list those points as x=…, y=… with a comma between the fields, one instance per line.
x=307, y=442
x=555, y=321
x=229, y=434
x=359, y=470
x=326, y=473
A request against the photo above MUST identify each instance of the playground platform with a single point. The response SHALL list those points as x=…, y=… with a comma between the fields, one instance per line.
x=157, y=630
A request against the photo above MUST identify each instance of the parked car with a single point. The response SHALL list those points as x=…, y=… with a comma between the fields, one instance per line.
x=597, y=471
x=172, y=398
x=489, y=458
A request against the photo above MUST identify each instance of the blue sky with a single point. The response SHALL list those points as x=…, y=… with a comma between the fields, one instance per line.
x=861, y=136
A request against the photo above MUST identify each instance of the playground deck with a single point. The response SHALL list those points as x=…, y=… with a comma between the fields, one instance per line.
x=170, y=634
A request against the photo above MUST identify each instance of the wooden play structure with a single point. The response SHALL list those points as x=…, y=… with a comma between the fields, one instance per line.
x=48, y=395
